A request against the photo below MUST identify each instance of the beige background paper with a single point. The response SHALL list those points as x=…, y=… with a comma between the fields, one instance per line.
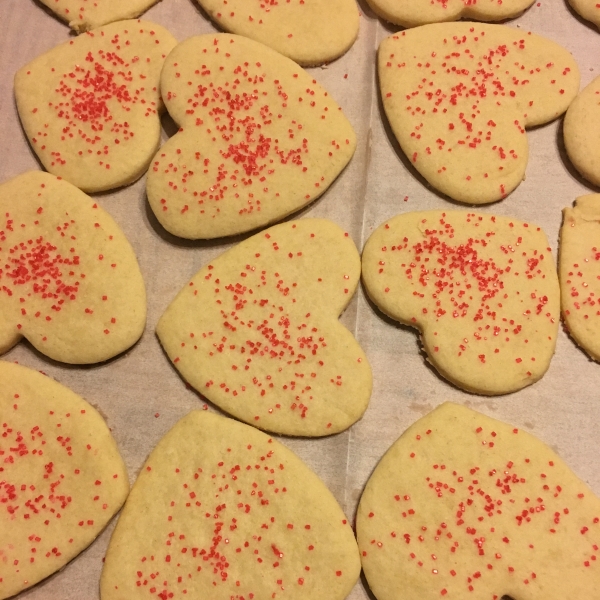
x=140, y=393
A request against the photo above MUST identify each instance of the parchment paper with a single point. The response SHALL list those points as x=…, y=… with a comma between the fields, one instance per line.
x=140, y=393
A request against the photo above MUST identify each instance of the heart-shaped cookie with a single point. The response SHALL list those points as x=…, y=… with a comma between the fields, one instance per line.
x=90, y=107
x=579, y=272
x=69, y=280
x=411, y=13
x=222, y=511
x=459, y=97
x=588, y=9
x=61, y=477
x=464, y=506
x=311, y=32
x=83, y=15
x=482, y=290
x=259, y=139
x=581, y=132
x=256, y=331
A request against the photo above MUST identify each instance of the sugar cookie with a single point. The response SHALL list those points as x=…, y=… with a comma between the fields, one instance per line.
x=588, y=9
x=256, y=331
x=90, y=107
x=466, y=506
x=69, y=280
x=222, y=511
x=482, y=290
x=411, y=13
x=579, y=272
x=459, y=96
x=259, y=139
x=61, y=477
x=310, y=32
x=581, y=132
x=82, y=15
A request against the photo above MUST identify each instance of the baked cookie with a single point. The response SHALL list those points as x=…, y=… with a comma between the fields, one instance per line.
x=90, y=107
x=579, y=272
x=256, y=331
x=466, y=506
x=259, y=139
x=588, y=9
x=482, y=290
x=411, y=13
x=222, y=511
x=61, y=477
x=83, y=15
x=581, y=132
x=69, y=280
x=459, y=96
x=311, y=32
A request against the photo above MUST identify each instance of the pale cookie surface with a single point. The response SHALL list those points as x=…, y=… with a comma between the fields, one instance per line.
x=464, y=506
x=222, y=511
x=61, y=477
x=69, y=280
x=256, y=331
x=459, y=96
x=259, y=138
x=310, y=32
x=482, y=290
x=588, y=9
x=90, y=107
x=83, y=15
x=579, y=272
x=581, y=131
x=412, y=13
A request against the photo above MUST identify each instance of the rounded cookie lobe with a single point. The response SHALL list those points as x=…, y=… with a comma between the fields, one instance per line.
x=463, y=505
x=222, y=511
x=588, y=9
x=579, y=272
x=482, y=290
x=310, y=32
x=581, y=132
x=69, y=280
x=412, y=13
x=83, y=15
x=459, y=96
x=256, y=331
x=259, y=139
x=90, y=107
x=61, y=477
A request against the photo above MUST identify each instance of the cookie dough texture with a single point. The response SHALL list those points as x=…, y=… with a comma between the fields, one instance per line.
x=588, y=9
x=221, y=511
x=310, y=32
x=90, y=107
x=466, y=506
x=259, y=139
x=83, y=15
x=459, y=97
x=256, y=331
x=581, y=132
x=481, y=289
x=69, y=280
x=61, y=477
x=412, y=13
x=579, y=272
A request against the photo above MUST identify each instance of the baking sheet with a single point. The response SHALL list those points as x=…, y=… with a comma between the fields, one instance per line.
x=141, y=394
